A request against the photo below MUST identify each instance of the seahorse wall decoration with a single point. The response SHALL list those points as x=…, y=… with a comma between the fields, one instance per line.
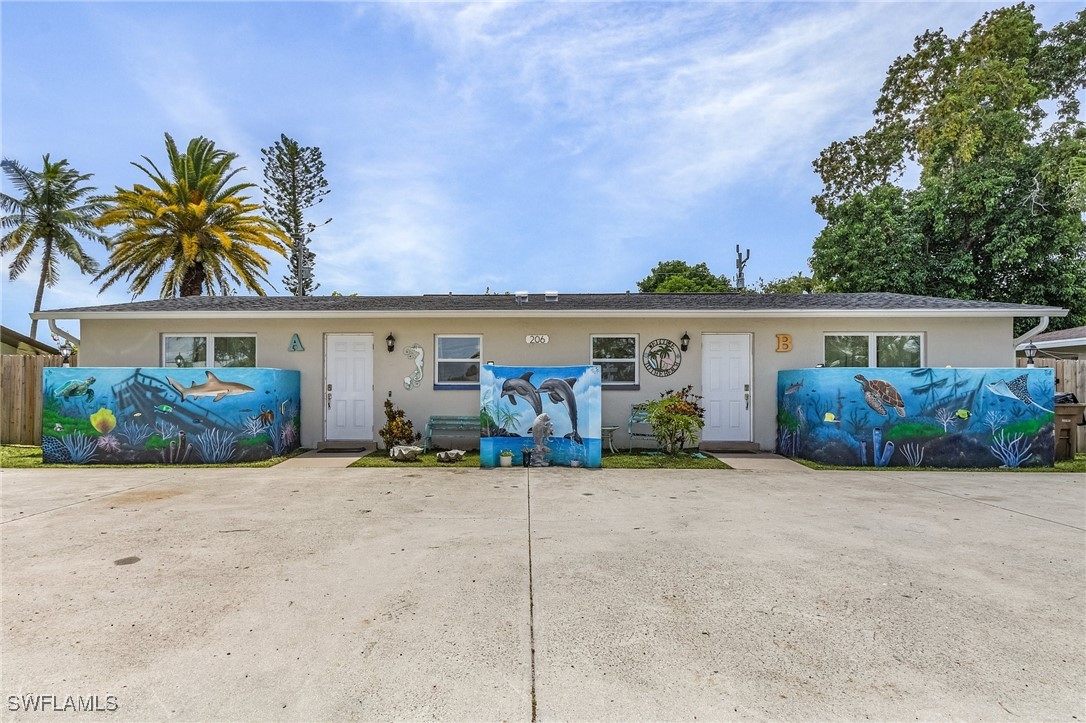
x=415, y=378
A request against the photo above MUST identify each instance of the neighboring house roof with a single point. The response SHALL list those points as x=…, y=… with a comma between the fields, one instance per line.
x=738, y=304
x=23, y=344
x=1062, y=339
x=1077, y=335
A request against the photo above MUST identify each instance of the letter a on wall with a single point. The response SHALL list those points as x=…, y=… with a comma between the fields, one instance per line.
x=296, y=344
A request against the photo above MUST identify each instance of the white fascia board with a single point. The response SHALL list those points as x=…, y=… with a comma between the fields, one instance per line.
x=1056, y=344
x=552, y=313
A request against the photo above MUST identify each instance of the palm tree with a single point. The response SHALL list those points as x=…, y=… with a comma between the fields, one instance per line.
x=194, y=227
x=53, y=210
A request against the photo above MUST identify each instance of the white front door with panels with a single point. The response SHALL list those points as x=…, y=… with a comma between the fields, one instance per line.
x=726, y=387
x=348, y=386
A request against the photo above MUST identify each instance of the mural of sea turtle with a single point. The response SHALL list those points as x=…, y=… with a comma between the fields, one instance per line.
x=76, y=388
x=879, y=395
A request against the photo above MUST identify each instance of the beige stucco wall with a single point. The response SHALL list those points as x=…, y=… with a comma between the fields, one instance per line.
x=960, y=342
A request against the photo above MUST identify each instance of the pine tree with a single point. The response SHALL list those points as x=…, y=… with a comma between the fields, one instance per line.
x=295, y=182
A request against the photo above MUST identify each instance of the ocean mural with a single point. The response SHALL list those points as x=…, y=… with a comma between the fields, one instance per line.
x=124, y=415
x=551, y=413
x=919, y=417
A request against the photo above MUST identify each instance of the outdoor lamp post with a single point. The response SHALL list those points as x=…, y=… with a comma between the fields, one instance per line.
x=1031, y=353
x=66, y=350
x=390, y=342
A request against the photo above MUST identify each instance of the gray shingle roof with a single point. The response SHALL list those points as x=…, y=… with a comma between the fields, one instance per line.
x=494, y=303
x=1076, y=333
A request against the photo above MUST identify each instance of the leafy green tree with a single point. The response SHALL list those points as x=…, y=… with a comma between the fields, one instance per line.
x=295, y=182
x=193, y=226
x=675, y=277
x=797, y=283
x=52, y=211
x=997, y=213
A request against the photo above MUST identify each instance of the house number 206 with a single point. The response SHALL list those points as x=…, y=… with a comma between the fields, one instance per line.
x=536, y=339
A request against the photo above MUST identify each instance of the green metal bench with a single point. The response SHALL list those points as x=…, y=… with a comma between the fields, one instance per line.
x=638, y=425
x=450, y=426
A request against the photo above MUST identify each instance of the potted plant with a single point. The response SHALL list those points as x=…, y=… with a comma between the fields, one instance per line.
x=505, y=458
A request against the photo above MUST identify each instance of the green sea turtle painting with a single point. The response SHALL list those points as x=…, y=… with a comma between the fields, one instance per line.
x=76, y=388
x=879, y=395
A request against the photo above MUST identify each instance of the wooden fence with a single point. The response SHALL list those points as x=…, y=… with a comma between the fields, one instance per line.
x=20, y=397
x=1070, y=377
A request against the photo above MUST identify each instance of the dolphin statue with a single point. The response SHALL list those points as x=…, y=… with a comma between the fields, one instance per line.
x=561, y=392
x=522, y=387
x=213, y=387
x=541, y=429
x=1018, y=388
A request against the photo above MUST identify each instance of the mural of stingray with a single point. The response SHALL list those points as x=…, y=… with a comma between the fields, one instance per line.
x=122, y=415
x=920, y=417
x=555, y=408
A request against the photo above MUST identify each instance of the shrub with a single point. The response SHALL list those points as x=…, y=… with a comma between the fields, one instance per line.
x=398, y=429
x=676, y=418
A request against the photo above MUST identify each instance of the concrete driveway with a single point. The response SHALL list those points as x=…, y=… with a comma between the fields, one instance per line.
x=314, y=593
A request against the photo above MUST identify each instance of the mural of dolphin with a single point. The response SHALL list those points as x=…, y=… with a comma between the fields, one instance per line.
x=522, y=387
x=560, y=391
x=213, y=387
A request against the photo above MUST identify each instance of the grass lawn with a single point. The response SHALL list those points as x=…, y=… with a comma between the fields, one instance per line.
x=610, y=461
x=18, y=455
x=378, y=458
x=1078, y=464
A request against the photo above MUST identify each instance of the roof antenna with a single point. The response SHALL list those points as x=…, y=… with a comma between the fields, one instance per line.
x=740, y=264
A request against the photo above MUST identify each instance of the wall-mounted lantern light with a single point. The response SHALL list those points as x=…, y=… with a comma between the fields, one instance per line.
x=1031, y=353
x=179, y=360
x=390, y=342
x=66, y=350
x=684, y=341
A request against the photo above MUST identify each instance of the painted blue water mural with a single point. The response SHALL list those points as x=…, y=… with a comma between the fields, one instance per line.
x=559, y=406
x=124, y=415
x=921, y=417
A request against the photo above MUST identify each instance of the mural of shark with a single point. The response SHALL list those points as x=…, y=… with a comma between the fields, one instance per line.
x=213, y=387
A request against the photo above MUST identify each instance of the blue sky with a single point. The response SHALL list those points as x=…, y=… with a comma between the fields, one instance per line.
x=511, y=146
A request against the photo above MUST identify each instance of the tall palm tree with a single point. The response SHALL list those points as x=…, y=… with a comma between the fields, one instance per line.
x=194, y=227
x=53, y=210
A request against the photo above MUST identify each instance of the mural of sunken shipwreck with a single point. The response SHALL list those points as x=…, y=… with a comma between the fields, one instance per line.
x=920, y=417
x=553, y=413
x=123, y=415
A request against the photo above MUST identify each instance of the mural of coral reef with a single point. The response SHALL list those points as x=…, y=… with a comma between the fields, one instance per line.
x=123, y=415
x=920, y=417
x=554, y=413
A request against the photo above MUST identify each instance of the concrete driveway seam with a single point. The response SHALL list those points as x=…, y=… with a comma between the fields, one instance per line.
x=82, y=501
x=989, y=504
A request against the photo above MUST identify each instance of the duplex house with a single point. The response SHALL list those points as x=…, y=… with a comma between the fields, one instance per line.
x=425, y=351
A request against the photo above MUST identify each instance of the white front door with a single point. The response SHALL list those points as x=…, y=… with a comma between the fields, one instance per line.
x=348, y=386
x=726, y=387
